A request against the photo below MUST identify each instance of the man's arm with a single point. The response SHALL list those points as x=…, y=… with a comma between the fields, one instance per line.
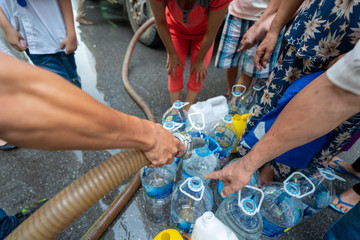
x=12, y=36
x=42, y=110
x=316, y=110
x=70, y=41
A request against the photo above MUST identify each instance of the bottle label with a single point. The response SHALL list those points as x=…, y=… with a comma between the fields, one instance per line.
x=272, y=230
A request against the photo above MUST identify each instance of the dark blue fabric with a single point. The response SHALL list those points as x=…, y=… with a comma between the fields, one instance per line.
x=7, y=224
x=346, y=227
x=301, y=156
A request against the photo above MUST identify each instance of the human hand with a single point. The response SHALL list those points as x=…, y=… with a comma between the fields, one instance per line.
x=69, y=44
x=264, y=50
x=199, y=66
x=15, y=39
x=172, y=62
x=234, y=177
x=165, y=147
x=252, y=36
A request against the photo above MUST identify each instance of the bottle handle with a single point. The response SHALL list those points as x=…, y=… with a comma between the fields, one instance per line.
x=238, y=85
x=202, y=188
x=193, y=123
x=328, y=171
x=244, y=202
x=288, y=186
x=211, y=152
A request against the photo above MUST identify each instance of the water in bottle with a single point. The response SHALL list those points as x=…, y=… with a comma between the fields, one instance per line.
x=191, y=198
x=210, y=227
x=158, y=184
x=324, y=192
x=195, y=124
x=237, y=91
x=240, y=212
x=176, y=114
x=225, y=134
x=202, y=161
x=254, y=181
x=282, y=208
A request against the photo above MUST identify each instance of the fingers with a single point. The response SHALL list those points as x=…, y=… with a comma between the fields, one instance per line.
x=213, y=175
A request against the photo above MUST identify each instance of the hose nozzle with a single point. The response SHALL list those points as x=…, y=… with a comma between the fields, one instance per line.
x=189, y=142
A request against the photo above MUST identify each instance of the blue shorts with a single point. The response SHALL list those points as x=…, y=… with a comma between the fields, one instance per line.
x=59, y=63
x=227, y=55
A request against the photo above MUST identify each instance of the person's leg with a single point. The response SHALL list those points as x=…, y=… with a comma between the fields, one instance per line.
x=231, y=75
x=176, y=84
x=193, y=87
x=81, y=13
x=352, y=168
x=245, y=80
x=7, y=224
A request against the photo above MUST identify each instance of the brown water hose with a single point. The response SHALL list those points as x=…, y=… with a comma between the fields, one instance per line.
x=60, y=211
x=103, y=222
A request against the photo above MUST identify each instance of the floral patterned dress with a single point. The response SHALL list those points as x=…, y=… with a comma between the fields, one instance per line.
x=323, y=30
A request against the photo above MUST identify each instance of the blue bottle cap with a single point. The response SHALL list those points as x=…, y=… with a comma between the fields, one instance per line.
x=22, y=3
x=228, y=118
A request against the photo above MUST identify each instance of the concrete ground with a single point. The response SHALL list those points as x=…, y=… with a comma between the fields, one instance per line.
x=28, y=175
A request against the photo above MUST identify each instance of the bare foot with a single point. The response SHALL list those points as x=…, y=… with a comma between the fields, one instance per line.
x=345, y=165
x=84, y=21
x=349, y=196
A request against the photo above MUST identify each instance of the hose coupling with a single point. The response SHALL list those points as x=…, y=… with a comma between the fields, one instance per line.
x=189, y=142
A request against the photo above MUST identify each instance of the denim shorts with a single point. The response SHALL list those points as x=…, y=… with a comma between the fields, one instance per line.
x=59, y=63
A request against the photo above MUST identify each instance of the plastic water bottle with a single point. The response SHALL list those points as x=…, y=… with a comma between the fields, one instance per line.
x=254, y=182
x=209, y=227
x=195, y=124
x=249, y=99
x=202, y=161
x=282, y=208
x=324, y=192
x=225, y=134
x=173, y=127
x=240, y=212
x=176, y=114
x=190, y=200
x=158, y=184
x=235, y=99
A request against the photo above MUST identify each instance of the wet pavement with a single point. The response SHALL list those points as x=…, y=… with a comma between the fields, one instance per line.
x=28, y=175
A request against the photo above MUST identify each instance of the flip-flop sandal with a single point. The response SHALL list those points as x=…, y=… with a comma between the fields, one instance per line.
x=341, y=202
x=342, y=169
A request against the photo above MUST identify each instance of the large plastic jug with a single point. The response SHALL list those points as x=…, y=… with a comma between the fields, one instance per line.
x=235, y=99
x=195, y=124
x=240, y=212
x=213, y=109
x=324, y=192
x=239, y=122
x=158, y=184
x=209, y=227
x=190, y=200
x=224, y=132
x=176, y=114
x=169, y=234
x=282, y=208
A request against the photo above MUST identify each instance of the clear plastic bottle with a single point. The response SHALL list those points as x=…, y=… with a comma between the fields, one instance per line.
x=190, y=200
x=324, y=192
x=173, y=127
x=176, y=114
x=249, y=99
x=240, y=212
x=254, y=181
x=195, y=124
x=202, y=161
x=235, y=99
x=282, y=208
x=224, y=132
x=210, y=227
x=158, y=184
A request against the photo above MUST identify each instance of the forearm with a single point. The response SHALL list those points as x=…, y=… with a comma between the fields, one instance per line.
x=66, y=10
x=215, y=19
x=42, y=110
x=285, y=13
x=316, y=110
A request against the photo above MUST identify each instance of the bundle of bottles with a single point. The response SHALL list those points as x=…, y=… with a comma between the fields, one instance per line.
x=195, y=205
